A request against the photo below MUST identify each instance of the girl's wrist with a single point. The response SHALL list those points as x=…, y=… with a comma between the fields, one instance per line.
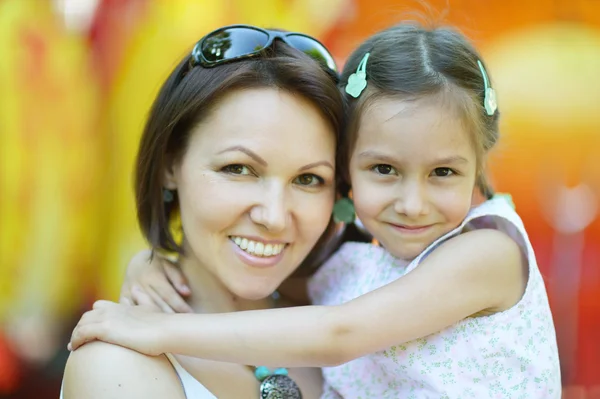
x=167, y=337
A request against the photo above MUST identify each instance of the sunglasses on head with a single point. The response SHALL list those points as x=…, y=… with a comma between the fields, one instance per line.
x=235, y=42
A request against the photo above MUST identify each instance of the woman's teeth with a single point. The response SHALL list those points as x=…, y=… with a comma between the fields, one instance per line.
x=257, y=248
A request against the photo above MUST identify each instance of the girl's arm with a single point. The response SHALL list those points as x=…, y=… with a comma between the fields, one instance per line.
x=476, y=271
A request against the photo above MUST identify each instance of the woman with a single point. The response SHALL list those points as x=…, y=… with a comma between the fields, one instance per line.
x=240, y=142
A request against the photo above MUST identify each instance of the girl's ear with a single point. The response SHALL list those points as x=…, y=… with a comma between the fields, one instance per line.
x=483, y=186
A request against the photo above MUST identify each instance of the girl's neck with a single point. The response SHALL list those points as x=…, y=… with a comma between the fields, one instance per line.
x=209, y=295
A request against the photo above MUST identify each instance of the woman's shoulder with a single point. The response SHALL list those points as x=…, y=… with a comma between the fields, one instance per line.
x=98, y=370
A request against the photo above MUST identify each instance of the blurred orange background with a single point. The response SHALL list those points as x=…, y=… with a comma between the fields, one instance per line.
x=78, y=76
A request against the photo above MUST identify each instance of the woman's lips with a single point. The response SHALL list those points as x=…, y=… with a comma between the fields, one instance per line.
x=255, y=260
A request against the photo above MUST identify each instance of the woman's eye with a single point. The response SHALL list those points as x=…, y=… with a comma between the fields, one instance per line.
x=443, y=172
x=237, y=169
x=309, y=180
x=384, y=169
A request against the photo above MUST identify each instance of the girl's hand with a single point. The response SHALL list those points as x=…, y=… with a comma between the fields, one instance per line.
x=155, y=281
x=133, y=327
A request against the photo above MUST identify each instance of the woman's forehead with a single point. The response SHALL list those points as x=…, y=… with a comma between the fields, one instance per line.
x=264, y=120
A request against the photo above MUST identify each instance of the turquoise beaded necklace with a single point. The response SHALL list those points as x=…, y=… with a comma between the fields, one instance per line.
x=262, y=372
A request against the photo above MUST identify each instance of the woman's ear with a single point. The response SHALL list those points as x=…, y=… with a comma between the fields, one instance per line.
x=169, y=175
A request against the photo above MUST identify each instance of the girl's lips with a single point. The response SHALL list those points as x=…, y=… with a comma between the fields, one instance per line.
x=410, y=229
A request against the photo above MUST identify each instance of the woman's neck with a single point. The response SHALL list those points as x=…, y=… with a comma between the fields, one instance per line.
x=209, y=295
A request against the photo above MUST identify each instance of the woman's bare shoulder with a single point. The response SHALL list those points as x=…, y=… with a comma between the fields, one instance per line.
x=99, y=370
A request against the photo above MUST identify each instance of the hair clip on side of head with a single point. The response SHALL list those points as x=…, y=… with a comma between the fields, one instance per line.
x=489, y=102
x=358, y=80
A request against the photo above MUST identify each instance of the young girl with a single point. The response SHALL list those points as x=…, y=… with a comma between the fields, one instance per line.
x=449, y=304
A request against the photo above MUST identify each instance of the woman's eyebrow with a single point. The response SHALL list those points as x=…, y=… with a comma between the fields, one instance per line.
x=261, y=161
x=246, y=151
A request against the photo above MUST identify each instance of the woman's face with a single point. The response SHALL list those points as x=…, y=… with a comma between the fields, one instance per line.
x=256, y=188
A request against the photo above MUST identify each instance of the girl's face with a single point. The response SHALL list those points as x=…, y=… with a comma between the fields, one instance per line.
x=256, y=188
x=413, y=172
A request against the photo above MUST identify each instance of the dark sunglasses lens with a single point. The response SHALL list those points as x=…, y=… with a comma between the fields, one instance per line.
x=312, y=48
x=232, y=43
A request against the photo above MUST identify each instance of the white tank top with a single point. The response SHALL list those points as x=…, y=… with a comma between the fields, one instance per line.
x=192, y=387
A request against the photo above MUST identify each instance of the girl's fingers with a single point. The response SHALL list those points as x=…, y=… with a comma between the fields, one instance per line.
x=125, y=299
x=176, y=277
x=146, y=298
x=173, y=299
x=159, y=301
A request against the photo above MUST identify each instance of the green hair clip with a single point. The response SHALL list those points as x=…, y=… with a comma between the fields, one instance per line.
x=489, y=101
x=358, y=80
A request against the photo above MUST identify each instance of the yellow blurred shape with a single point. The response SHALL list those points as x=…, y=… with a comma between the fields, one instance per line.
x=49, y=152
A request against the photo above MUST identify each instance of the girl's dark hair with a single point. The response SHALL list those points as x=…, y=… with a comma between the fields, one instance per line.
x=410, y=61
x=185, y=99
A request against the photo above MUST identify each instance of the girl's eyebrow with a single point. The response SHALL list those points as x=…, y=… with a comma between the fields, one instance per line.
x=451, y=159
x=370, y=154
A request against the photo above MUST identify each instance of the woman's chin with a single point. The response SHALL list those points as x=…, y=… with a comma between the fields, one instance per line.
x=254, y=292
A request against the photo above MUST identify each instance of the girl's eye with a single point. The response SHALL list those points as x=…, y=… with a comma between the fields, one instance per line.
x=309, y=180
x=384, y=169
x=443, y=172
x=236, y=169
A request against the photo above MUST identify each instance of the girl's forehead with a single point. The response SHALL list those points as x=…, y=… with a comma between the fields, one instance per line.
x=408, y=127
x=447, y=104
x=419, y=115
